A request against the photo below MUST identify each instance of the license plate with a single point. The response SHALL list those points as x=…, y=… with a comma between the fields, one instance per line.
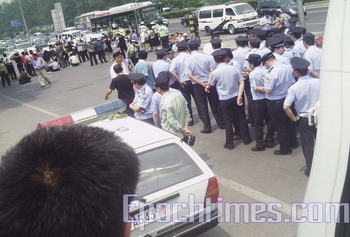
x=145, y=217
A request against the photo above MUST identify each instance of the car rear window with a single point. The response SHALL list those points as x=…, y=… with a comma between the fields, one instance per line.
x=163, y=167
x=243, y=9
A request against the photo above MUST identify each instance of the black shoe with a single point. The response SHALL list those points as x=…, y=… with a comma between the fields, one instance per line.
x=269, y=145
x=49, y=82
x=278, y=152
x=307, y=173
x=191, y=123
x=257, y=148
x=42, y=86
x=248, y=142
x=205, y=131
x=228, y=147
x=295, y=146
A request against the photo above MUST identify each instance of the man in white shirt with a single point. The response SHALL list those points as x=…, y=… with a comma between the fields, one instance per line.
x=73, y=59
x=266, y=22
x=118, y=59
x=312, y=55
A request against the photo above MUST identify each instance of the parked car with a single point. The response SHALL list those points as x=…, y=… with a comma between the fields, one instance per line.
x=170, y=173
x=185, y=19
x=286, y=6
x=25, y=46
x=39, y=43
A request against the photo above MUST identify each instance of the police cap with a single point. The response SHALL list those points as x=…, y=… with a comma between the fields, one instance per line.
x=228, y=52
x=241, y=39
x=255, y=42
x=161, y=80
x=136, y=77
x=278, y=35
x=266, y=57
x=259, y=32
x=254, y=58
x=276, y=42
x=287, y=40
x=165, y=74
x=194, y=43
x=219, y=54
x=182, y=45
x=170, y=51
x=299, y=63
x=216, y=42
x=161, y=51
x=296, y=29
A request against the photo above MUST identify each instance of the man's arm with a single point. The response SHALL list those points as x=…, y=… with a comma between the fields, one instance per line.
x=240, y=93
x=290, y=114
x=109, y=91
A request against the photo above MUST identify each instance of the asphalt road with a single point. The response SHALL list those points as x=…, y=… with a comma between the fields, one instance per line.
x=244, y=176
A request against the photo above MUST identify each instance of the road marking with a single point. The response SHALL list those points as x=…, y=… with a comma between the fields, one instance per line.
x=317, y=11
x=312, y=24
x=31, y=106
x=254, y=194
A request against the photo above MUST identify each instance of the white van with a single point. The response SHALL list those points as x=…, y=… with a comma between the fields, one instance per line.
x=227, y=17
x=76, y=33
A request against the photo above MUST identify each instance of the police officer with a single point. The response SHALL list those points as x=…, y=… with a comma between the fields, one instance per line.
x=277, y=47
x=276, y=83
x=261, y=35
x=143, y=98
x=241, y=51
x=177, y=70
x=229, y=83
x=198, y=67
x=160, y=65
x=164, y=35
x=288, y=47
x=260, y=111
x=216, y=45
x=313, y=55
x=296, y=35
x=304, y=93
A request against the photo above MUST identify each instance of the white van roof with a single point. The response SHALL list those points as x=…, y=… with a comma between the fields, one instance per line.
x=222, y=6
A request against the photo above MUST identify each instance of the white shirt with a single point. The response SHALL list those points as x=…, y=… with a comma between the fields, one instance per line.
x=178, y=65
x=313, y=55
x=299, y=48
x=125, y=70
x=239, y=55
x=73, y=59
x=208, y=49
x=282, y=59
x=160, y=66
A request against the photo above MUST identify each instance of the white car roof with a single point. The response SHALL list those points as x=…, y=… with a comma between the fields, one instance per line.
x=134, y=132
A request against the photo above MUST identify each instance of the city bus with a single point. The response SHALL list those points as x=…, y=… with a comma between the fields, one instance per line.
x=83, y=22
x=128, y=16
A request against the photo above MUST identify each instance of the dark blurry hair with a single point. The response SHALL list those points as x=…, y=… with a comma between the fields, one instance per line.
x=66, y=181
x=143, y=54
x=116, y=54
x=117, y=68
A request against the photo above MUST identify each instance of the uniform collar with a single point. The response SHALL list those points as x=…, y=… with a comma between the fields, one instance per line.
x=221, y=65
x=304, y=78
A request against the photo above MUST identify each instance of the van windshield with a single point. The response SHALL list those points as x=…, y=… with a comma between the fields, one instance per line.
x=243, y=9
x=284, y=3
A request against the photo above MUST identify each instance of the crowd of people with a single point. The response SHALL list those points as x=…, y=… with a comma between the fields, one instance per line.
x=274, y=73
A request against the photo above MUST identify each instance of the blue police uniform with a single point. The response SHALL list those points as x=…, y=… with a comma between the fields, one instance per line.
x=143, y=98
x=199, y=65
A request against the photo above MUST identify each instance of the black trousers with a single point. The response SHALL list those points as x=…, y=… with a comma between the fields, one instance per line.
x=11, y=71
x=92, y=57
x=5, y=78
x=188, y=91
x=261, y=114
x=101, y=56
x=248, y=94
x=202, y=99
x=307, y=136
x=165, y=41
x=81, y=56
x=20, y=67
x=285, y=129
x=232, y=111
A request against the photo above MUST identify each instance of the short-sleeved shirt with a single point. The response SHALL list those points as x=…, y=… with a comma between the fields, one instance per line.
x=263, y=20
x=226, y=79
x=174, y=113
x=282, y=59
x=239, y=55
x=124, y=87
x=313, y=55
x=304, y=93
x=299, y=48
x=199, y=65
x=278, y=79
x=178, y=65
x=255, y=78
x=143, y=99
x=156, y=101
x=112, y=72
x=38, y=62
x=143, y=67
x=160, y=66
x=288, y=53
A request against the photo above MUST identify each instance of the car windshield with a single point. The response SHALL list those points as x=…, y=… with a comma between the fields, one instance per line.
x=283, y=3
x=24, y=46
x=164, y=167
x=243, y=9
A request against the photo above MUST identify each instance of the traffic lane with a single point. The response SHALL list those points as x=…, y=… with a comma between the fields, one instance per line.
x=316, y=19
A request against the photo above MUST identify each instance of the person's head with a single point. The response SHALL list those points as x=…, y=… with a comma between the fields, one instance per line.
x=254, y=60
x=35, y=56
x=259, y=33
x=118, y=69
x=216, y=43
x=4, y=55
x=229, y=55
x=161, y=54
x=67, y=181
x=31, y=51
x=194, y=44
x=161, y=83
x=254, y=43
x=300, y=67
x=268, y=60
x=276, y=45
x=295, y=32
x=219, y=56
x=143, y=54
x=181, y=46
x=241, y=41
x=138, y=80
x=267, y=15
x=118, y=57
x=276, y=14
x=169, y=54
x=308, y=40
